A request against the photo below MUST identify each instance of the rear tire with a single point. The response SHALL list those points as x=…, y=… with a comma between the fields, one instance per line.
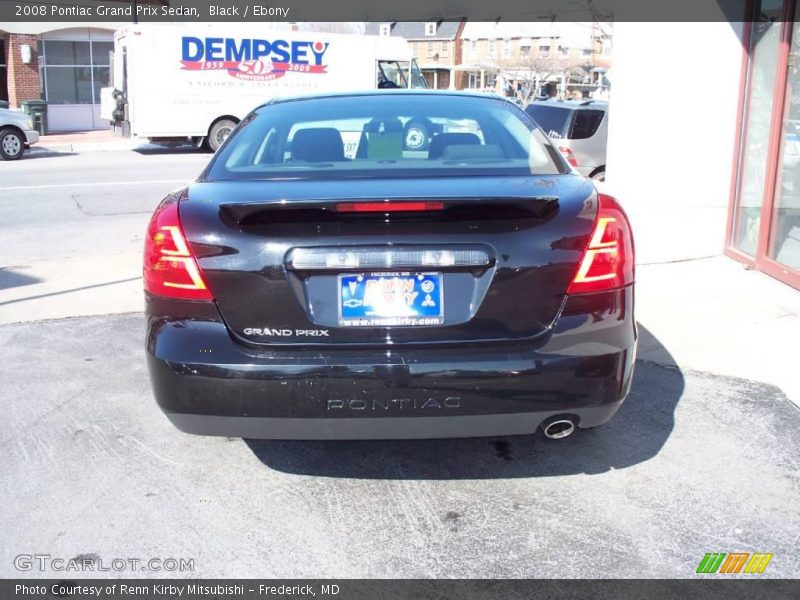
x=12, y=144
x=219, y=132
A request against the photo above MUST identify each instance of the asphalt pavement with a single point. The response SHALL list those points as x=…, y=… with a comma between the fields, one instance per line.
x=694, y=462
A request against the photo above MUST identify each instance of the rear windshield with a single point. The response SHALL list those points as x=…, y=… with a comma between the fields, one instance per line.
x=385, y=135
x=553, y=119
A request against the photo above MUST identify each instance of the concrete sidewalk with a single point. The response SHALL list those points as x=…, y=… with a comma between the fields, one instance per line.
x=88, y=141
x=714, y=315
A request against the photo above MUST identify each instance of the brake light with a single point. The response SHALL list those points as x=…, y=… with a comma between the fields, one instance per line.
x=170, y=269
x=608, y=261
x=389, y=206
x=569, y=155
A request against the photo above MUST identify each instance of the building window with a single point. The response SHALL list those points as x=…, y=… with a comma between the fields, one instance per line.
x=430, y=48
x=445, y=49
x=385, y=29
x=430, y=28
x=506, y=48
x=492, y=48
x=524, y=51
x=3, y=71
x=563, y=51
x=473, y=47
x=74, y=72
x=586, y=52
x=544, y=51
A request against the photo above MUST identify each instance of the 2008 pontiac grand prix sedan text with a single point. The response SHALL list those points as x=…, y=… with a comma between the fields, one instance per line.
x=322, y=281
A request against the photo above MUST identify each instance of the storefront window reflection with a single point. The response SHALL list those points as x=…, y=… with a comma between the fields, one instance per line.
x=784, y=246
x=764, y=43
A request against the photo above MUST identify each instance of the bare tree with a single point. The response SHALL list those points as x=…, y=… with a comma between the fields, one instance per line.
x=529, y=72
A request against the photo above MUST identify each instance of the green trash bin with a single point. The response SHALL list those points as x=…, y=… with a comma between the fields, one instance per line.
x=4, y=104
x=37, y=109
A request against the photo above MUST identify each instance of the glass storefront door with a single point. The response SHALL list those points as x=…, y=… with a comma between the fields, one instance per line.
x=765, y=219
x=765, y=37
x=784, y=235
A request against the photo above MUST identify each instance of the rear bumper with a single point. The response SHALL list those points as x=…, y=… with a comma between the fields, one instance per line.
x=209, y=384
x=382, y=428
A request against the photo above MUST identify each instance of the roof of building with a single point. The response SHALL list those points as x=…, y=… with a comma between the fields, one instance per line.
x=573, y=35
x=415, y=30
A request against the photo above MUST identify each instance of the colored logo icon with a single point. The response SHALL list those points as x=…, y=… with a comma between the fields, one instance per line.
x=734, y=562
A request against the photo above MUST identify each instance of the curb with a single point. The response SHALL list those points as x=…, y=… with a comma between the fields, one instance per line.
x=68, y=147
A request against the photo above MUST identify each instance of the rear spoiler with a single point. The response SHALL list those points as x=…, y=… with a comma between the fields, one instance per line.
x=447, y=209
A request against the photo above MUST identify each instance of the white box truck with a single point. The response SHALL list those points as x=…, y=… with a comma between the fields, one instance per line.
x=194, y=82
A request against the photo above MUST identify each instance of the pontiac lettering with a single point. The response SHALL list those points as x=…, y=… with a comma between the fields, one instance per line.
x=393, y=403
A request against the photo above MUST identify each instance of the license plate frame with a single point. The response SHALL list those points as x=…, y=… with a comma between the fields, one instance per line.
x=426, y=309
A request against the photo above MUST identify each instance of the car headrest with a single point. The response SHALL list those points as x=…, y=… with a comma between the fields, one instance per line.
x=441, y=141
x=318, y=144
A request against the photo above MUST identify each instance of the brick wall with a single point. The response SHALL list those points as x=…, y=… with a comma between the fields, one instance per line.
x=23, y=79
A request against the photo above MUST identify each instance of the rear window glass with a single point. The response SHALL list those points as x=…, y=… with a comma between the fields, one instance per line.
x=553, y=119
x=385, y=135
x=586, y=123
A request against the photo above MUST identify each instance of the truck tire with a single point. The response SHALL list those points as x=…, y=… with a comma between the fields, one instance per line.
x=12, y=144
x=417, y=135
x=219, y=132
x=599, y=174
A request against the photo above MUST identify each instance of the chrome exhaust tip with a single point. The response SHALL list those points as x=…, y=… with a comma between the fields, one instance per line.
x=558, y=429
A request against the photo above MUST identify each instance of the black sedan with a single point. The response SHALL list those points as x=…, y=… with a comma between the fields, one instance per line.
x=321, y=281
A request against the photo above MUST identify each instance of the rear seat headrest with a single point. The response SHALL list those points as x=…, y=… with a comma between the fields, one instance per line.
x=318, y=144
x=441, y=141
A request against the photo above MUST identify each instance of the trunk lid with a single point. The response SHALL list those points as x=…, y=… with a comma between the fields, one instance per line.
x=278, y=256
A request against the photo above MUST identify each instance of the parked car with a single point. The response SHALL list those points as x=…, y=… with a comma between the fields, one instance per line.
x=479, y=288
x=579, y=128
x=16, y=134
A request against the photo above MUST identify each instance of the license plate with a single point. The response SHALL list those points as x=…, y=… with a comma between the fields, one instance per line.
x=385, y=299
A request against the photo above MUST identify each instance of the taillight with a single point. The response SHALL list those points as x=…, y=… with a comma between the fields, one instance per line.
x=569, y=155
x=608, y=261
x=170, y=269
x=389, y=206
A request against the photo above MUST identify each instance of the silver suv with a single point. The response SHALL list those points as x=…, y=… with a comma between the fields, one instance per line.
x=579, y=128
x=16, y=134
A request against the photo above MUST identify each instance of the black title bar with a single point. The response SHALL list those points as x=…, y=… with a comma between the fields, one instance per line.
x=143, y=11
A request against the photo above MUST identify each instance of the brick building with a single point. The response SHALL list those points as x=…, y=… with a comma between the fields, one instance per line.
x=64, y=64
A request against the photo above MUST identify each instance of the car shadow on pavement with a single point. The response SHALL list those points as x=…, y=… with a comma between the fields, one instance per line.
x=155, y=150
x=634, y=435
x=44, y=153
x=10, y=277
